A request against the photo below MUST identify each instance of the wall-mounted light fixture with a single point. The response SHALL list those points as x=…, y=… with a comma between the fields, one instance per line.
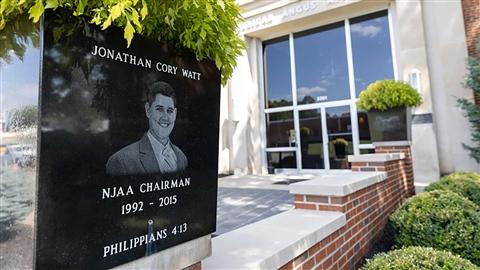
x=415, y=80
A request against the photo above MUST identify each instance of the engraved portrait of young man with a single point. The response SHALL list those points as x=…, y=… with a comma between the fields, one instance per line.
x=154, y=152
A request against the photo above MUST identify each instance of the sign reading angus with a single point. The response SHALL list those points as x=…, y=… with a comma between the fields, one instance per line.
x=129, y=141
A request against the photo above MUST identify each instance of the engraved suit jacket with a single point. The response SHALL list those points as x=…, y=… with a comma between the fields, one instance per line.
x=139, y=158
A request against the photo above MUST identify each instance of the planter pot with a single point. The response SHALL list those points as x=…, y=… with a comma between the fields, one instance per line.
x=390, y=125
x=340, y=150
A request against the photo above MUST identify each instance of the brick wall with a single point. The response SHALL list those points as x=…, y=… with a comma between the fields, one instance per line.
x=406, y=165
x=471, y=16
x=197, y=266
x=366, y=210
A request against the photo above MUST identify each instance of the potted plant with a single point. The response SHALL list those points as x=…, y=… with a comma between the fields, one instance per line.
x=387, y=103
x=340, y=145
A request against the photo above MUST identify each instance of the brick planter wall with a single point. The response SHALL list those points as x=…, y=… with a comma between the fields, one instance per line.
x=406, y=165
x=366, y=210
x=471, y=17
x=197, y=266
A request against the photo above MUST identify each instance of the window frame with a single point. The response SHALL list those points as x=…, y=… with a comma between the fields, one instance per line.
x=322, y=105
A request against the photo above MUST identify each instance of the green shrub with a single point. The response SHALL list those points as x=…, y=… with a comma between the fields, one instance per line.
x=440, y=219
x=388, y=94
x=420, y=258
x=463, y=175
x=466, y=184
x=340, y=141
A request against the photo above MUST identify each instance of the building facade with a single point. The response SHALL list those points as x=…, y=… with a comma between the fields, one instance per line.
x=290, y=105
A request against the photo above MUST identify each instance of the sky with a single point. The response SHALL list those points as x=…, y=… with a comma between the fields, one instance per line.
x=19, y=82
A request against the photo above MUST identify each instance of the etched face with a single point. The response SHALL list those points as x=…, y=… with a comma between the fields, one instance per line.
x=161, y=116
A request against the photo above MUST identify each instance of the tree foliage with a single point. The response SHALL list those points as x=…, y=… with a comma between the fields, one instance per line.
x=472, y=110
x=23, y=118
x=16, y=37
x=207, y=27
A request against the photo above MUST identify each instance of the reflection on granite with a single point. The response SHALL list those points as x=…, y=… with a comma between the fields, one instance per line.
x=17, y=195
x=16, y=247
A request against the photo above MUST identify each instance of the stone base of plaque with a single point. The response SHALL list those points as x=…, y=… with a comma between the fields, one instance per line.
x=184, y=256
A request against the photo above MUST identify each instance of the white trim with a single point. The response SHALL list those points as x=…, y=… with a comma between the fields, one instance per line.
x=261, y=94
x=287, y=171
x=314, y=106
x=280, y=149
x=263, y=9
x=337, y=185
x=353, y=93
x=355, y=130
x=366, y=146
x=296, y=121
x=392, y=43
x=279, y=109
x=392, y=143
x=308, y=173
x=326, y=161
x=376, y=157
x=323, y=171
x=351, y=74
x=301, y=28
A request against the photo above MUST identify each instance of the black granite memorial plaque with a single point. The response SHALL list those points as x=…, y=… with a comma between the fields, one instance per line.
x=128, y=146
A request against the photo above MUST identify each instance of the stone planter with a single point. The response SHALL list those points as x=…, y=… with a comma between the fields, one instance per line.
x=340, y=150
x=390, y=125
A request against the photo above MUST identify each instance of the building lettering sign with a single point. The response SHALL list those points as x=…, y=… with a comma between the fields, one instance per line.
x=128, y=147
x=288, y=13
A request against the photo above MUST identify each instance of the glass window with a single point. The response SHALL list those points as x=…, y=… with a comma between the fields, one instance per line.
x=19, y=84
x=311, y=139
x=280, y=130
x=363, y=129
x=372, y=55
x=281, y=160
x=278, y=82
x=340, y=143
x=367, y=151
x=321, y=64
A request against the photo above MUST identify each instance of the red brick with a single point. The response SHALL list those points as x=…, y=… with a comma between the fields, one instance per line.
x=338, y=200
x=300, y=259
x=376, y=164
x=317, y=199
x=308, y=264
x=299, y=198
x=330, y=248
x=336, y=256
x=327, y=263
x=287, y=266
x=197, y=266
x=334, y=208
x=320, y=256
x=305, y=206
x=314, y=249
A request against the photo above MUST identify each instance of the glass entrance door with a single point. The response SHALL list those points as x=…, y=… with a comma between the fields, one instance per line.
x=339, y=134
x=311, y=138
x=326, y=137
